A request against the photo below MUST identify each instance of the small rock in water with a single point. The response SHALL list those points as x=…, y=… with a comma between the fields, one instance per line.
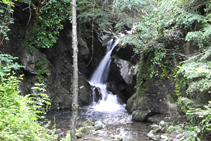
x=153, y=136
x=180, y=136
x=155, y=126
x=99, y=125
x=163, y=136
x=162, y=123
x=116, y=139
x=99, y=132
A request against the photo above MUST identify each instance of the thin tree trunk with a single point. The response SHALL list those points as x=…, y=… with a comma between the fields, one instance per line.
x=75, y=72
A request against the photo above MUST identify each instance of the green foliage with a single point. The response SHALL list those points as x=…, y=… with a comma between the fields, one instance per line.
x=201, y=38
x=198, y=72
x=67, y=137
x=18, y=119
x=6, y=18
x=171, y=99
x=172, y=128
x=199, y=123
x=201, y=117
x=8, y=2
x=7, y=64
x=122, y=5
x=42, y=69
x=185, y=104
x=19, y=114
x=92, y=12
x=39, y=101
x=130, y=12
x=50, y=17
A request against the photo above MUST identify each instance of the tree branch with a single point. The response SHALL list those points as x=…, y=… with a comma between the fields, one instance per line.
x=195, y=56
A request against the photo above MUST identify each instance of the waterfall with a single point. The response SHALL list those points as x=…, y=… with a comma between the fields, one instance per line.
x=109, y=101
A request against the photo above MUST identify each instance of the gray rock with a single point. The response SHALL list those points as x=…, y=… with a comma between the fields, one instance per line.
x=152, y=136
x=99, y=132
x=139, y=115
x=180, y=136
x=116, y=138
x=154, y=98
x=127, y=70
x=163, y=136
x=155, y=126
x=97, y=94
x=162, y=123
x=99, y=125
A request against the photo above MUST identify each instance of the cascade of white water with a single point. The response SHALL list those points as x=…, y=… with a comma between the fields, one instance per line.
x=109, y=101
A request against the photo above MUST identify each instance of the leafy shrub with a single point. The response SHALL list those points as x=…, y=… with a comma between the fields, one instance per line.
x=19, y=114
x=6, y=19
x=42, y=69
x=50, y=16
x=201, y=117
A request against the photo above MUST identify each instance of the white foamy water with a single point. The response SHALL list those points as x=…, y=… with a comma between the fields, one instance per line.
x=109, y=101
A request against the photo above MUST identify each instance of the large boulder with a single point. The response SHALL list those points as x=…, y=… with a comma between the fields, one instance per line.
x=152, y=104
x=122, y=75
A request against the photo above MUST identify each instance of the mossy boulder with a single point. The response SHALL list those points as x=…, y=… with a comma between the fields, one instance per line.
x=79, y=134
x=87, y=123
x=86, y=129
x=151, y=102
x=131, y=103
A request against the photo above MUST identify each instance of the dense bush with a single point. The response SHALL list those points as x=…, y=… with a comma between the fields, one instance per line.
x=19, y=114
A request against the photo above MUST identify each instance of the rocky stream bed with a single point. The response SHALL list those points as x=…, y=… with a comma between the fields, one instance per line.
x=107, y=126
x=113, y=126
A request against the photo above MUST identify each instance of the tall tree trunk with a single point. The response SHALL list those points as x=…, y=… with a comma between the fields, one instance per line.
x=75, y=72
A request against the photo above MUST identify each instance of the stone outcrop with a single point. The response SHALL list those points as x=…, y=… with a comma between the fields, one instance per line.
x=56, y=70
x=153, y=103
x=123, y=70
